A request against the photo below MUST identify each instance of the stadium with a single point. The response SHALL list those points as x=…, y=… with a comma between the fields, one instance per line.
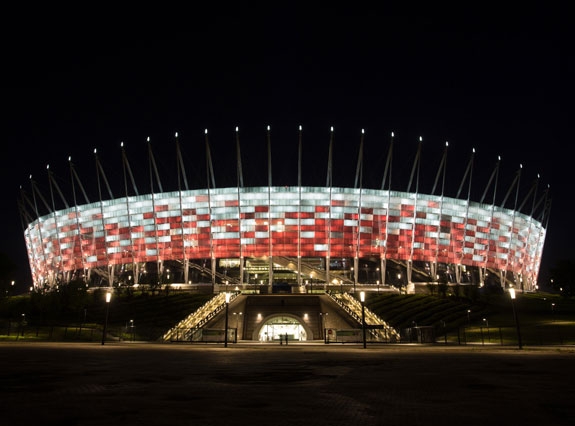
x=286, y=239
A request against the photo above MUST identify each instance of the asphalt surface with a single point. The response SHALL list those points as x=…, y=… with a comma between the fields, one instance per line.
x=298, y=384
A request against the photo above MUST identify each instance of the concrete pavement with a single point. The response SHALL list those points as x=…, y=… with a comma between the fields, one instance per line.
x=298, y=384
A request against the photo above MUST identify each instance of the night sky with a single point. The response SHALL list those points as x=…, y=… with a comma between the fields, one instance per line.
x=503, y=86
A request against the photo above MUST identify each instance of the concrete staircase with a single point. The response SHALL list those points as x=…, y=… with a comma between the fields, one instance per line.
x=319, y=313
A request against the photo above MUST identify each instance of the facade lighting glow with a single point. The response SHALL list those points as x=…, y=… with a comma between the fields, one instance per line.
x=297, y=222
x=392, y=224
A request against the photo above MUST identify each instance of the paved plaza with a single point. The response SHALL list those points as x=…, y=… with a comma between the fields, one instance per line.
x=134, y=383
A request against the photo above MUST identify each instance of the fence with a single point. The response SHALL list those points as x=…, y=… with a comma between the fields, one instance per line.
x=77, y=333
x=530, y=335
x=540, y=335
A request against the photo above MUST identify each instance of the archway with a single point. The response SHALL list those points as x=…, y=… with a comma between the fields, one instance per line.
x=277, y=326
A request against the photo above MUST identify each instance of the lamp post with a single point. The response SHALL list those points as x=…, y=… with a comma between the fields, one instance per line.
x=237, y=315
x=226, y=331
x=22, y=324
x=108, y=298
x=486, y=322
x=323, y=318
x=362, y=299
x=512, y=295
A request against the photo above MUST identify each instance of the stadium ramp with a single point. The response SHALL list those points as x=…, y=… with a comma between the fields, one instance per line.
x=378, y=329
x=184, y=330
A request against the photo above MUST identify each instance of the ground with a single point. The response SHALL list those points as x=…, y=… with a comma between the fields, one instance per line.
x=298, y=384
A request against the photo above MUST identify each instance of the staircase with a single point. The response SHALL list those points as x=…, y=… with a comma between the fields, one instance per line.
x=196, y=320
x=328, y=311
x=377, y=328
x=308, y=269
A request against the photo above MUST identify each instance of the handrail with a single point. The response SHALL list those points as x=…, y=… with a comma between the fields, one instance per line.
x=200, y=317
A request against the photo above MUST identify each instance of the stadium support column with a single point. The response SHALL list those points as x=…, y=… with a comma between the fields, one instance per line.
x=543, y=218
x=47, y=273
x=382, y=269
x=154, y=172
x=440, y=172
x=240, y=177
x=100, y=171
x=510, y=250
x=127, y=170
x=73, y=176
x=213, y=271
x=416, y=168
x=468, y=172
x=186, y=270
x=524, y=270
x=211, y=184
x=386, y=173
x=136, y=273
x=270, y=248
x=111, y=274
x=359, y=185
x=494, y=175
x=433, y=270
x=59, y=251
x=182, y=175
x=355, y=271
x=299, y=183
x=329, y=184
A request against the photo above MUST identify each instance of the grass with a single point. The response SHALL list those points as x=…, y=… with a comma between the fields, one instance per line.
x=140, y=316
x=544, y=318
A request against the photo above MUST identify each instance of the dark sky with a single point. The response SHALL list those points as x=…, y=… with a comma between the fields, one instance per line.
x=503, y=86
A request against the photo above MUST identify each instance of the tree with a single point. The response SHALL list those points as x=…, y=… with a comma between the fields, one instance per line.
x=7, y=271
x=562, y=278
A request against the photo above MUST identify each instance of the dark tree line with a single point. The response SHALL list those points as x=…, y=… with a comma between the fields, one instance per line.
x=7, y=271
x=563, y=277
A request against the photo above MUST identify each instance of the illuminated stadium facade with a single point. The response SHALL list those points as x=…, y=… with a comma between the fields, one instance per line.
x=256, y=238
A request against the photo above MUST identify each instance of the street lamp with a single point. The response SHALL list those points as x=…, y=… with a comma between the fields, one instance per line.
x=512, y=294
x=22, y=324
x=323, y=318
x=108, y=298
x=237, y=315
x=226, y=331
x=362, y=299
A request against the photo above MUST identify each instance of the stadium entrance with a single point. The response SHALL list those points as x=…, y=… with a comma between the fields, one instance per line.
x=277, y=327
